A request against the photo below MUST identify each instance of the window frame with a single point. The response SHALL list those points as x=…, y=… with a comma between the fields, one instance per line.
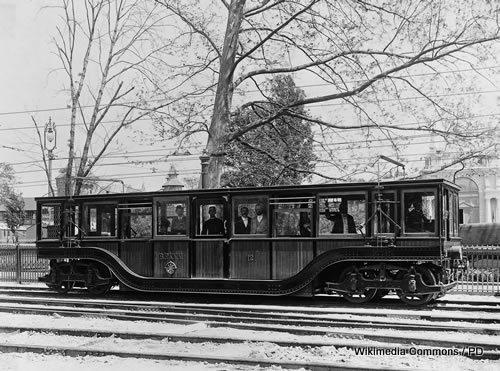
x=60, y=204
x=233, y=217
x=120, y=207
x=216, y=200
x=436, y=214
x=172, y=199
x=396, y=219
x=86, y=221
x=289, y=199
x=337, y=236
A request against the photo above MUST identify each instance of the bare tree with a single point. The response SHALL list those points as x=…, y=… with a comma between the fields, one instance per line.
x=358, y=53
x=106, y=49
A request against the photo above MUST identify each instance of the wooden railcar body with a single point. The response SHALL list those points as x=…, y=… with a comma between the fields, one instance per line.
x=272, y=263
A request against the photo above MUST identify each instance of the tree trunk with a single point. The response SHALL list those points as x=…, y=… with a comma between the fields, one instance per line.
x=223, y=95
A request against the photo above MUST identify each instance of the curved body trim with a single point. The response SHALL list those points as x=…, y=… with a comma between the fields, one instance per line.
x=286, y=286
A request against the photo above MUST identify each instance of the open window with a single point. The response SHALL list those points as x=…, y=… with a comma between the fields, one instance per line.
x=136, y=220
x=99, y=220
x=50, y=221
x=250, y=216
x=172, y=217
x=419, y=211
x=292, y=216
x=342, y=214
x=211, y=218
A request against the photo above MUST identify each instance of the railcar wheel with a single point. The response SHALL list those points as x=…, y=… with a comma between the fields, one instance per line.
x=420, y=299
x=99, y=271
x=361, y=297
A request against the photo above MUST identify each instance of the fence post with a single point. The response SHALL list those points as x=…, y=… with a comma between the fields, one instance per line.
x=18, y=262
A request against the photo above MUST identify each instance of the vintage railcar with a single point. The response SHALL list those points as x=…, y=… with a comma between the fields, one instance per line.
x=359, y=240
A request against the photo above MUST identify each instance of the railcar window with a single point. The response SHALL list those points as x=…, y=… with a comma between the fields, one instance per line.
x=171, y=217
x=384, y=213
x=250, y=216
x=342, y=214
x=100, y=220
x=419, y=210
x=293, y=218
x=211, y=219
x=50, y=223
x=136, y=222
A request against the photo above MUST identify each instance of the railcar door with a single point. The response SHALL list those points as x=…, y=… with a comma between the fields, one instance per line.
x=292, y=234
x=210, y=250
x=171, y=237
x=136, y=224
x=250, y=245
x=99, y=227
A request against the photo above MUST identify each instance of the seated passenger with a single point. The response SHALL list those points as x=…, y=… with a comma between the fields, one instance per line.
x=416, y=221
x=164, y=225
x=179, y=221
x=242, y=225
x=305, y=225
x=213, y=225
x=342, y=221
x=259, y=224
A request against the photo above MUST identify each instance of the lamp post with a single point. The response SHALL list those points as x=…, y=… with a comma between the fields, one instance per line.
x=50, y=141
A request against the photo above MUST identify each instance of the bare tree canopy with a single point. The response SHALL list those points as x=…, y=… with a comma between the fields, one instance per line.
x=388, y=69
x=106, y=49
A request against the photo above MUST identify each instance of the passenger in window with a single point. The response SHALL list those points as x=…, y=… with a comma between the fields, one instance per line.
x=179, y=221
x=242, y=225
x=416, y=221
x=213, y=225
x=342, y=221
x=259, y=225
x=305, y=228
x=164, y=225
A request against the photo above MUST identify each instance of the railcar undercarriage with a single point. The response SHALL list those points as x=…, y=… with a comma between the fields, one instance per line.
x=66, y=275
x=414, y=284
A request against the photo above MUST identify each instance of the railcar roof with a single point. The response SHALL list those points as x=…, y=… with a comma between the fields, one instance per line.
x=217, y=191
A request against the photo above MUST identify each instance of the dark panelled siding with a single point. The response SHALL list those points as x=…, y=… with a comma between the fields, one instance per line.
x=250, y=260
x=138, y=256
x=289, y=257
x=171, y=250
x=209, y=258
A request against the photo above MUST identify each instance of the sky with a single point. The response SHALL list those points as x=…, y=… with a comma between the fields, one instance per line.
x=29, y=87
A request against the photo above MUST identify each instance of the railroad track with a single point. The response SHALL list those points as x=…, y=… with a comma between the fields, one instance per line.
x=251, y=316
x=265, y=314
x=325, y=301
x=334, y=325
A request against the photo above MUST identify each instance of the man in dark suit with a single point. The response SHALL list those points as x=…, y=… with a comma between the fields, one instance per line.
x=416, y=221
x=242, y=225
x=342, y=221
x=213, y=225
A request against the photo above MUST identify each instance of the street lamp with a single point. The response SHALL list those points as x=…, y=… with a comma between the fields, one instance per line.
x=50, y=141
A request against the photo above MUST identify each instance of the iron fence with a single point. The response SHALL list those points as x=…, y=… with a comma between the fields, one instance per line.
x=480, y=273
x=20, y=264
